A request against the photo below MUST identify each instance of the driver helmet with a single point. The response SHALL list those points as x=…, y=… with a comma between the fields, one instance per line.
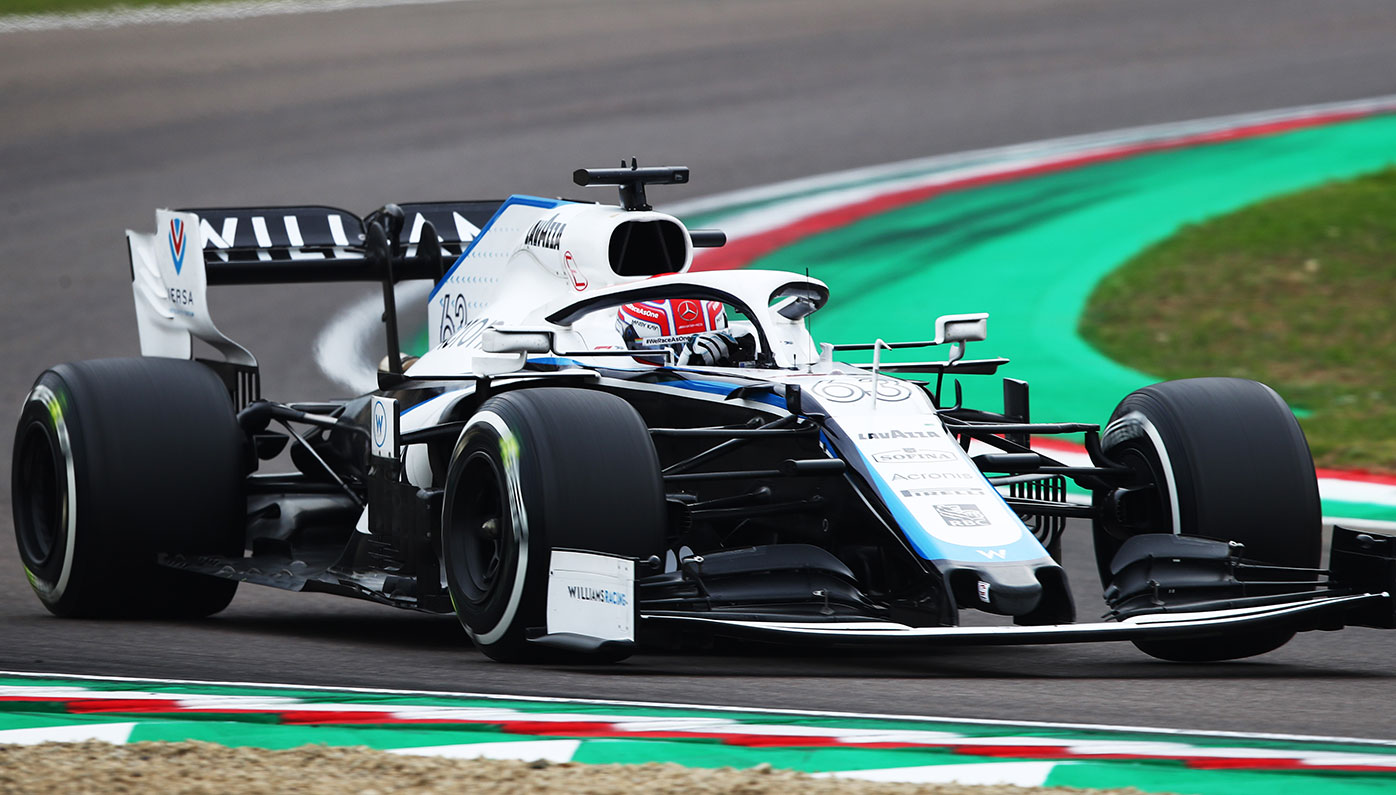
x=668, y=323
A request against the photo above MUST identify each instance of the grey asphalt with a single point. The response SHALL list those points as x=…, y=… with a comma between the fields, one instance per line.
x=481, y=99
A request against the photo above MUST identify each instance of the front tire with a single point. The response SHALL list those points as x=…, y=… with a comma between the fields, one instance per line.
x=114, y=461
x=1219, y=458
x=534, y=470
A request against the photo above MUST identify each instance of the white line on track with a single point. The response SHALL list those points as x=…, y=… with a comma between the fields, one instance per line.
x=1307, y=738
x=115, y=733
x=994, y=774
x=185, y=13
x=797, y=197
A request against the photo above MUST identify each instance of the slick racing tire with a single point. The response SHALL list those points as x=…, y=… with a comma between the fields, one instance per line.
x=115, y=461
x=1220, y=458
x=538, y=469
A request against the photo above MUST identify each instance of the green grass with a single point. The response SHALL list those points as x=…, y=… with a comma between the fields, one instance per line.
x=1298, y=292
x=8, y=7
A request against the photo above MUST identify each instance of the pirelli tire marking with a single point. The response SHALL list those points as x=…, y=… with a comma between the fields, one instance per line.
x=54, y=591
x=518, y=526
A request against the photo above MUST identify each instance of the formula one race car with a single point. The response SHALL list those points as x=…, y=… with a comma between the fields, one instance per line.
x=603, y=449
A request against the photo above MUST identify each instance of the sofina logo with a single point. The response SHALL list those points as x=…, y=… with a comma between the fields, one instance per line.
x=177, y=242
x=912, y=455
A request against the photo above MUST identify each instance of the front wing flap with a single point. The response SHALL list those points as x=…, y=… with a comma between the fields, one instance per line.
x=1313, y=613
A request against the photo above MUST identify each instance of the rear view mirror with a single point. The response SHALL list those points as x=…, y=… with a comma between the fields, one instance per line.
x=962, y=328
x=507, y=340
x=798, y=300
x=795, y=308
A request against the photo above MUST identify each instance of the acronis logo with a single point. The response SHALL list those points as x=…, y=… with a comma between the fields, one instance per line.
x=177, y=242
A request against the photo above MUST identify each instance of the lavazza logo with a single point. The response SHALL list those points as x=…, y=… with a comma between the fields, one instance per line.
x=545, y=234
x=912, y=455
x=898, y=435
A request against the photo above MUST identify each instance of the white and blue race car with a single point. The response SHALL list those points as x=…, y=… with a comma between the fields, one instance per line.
x=576, y=472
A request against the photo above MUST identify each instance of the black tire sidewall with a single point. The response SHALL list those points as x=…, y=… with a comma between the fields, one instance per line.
x=1240, y=470
x=1239, y=463
x=156, y=458
x=488, y=616
x=42, y=421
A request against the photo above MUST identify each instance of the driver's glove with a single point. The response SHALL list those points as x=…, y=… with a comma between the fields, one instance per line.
x=708, y=348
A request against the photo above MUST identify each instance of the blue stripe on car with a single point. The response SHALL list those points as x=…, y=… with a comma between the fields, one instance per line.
x=931, y=548
x=525, y=201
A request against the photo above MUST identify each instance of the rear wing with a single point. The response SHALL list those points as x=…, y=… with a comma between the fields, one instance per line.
x=280, y=245
x=192, y=249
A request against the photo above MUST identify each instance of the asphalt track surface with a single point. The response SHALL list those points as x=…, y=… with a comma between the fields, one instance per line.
x=480, y=99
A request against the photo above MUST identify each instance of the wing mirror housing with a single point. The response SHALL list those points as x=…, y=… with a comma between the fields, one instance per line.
x=972, y=327
x=486, y=364
x=501, y=339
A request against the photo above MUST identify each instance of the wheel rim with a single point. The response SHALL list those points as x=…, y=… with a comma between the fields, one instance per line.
x=479, y=529
x=40, y=497
x=1149, y=510
x=1139, y=506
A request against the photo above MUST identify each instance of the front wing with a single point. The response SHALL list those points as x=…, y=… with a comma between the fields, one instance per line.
x=1315, y=613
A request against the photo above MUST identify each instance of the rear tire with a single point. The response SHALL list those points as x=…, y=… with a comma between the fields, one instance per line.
x=1226, y=459
x=534, y=470
x=116, y=460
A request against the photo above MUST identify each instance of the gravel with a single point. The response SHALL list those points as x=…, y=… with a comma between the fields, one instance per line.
x=196, y=767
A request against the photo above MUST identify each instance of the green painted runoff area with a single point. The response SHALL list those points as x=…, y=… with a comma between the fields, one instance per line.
x=1030, y=252
x=1298, y=291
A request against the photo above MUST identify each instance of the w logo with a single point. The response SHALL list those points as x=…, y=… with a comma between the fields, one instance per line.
x=993, y=554
x=177, y=242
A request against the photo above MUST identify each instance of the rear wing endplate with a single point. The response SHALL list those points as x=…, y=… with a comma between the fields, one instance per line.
x=172, y=269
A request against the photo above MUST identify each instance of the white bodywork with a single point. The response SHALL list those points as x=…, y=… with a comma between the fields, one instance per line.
x=545, y=268
x=534, y=262
x=170, y=287
x=533, y=250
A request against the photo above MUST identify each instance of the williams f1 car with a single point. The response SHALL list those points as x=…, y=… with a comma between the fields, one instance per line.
x=574, y=490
